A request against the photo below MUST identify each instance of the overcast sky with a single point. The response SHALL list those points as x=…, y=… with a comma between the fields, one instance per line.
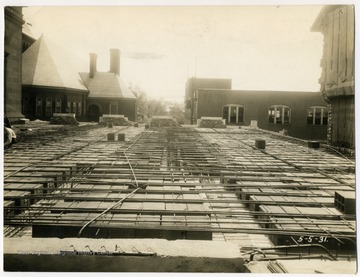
x=258, y=47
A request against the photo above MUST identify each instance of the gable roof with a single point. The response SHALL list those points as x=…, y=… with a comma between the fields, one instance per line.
x=47, y=64
x=106, y=85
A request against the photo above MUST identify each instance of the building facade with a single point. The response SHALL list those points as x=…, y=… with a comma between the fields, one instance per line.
x=12, y=62
x=301, y=114
x=191, y=98
x=108, y=94
x=52, y=83
x=337, y=82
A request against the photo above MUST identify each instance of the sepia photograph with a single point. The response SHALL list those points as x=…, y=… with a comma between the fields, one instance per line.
x=179, y=137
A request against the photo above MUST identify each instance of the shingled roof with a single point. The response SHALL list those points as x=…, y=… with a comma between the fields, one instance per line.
x=48, y=65
x=106, y=85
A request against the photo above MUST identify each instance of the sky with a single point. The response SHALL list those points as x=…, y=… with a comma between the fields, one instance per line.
x=258, y=47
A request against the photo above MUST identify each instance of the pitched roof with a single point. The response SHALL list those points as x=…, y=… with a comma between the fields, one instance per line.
x=47, y=64
x=26, y=30
x=106, y=85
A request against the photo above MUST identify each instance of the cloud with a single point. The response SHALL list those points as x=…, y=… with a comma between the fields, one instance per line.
x=143, y=55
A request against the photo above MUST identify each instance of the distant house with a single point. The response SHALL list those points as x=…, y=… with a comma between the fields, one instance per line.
x=108, y=93
x=336, y=23
x=13, y=22
x=52, y=83
x=302, y=114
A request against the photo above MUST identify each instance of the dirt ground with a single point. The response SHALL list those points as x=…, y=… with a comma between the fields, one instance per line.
x=38, y=131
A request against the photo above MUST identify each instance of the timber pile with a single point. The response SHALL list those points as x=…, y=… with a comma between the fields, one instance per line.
x=211, y=123
x=163, y=121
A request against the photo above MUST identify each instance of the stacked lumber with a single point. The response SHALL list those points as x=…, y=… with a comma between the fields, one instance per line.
x=163, y=121
x=212, y=122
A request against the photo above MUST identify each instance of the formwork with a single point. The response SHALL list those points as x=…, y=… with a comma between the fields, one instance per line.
x=181, y=183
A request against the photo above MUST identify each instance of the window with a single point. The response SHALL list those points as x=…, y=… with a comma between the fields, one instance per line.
x=49, y=106
x=58, y=105
x=317, y=115
x=38, y=106
x=233, y=114
x=25, y=106
x=279, y=114
x=113, y=109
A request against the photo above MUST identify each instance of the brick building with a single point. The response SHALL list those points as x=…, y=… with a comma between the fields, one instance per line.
x=108, y=94
x=52, y=83
x=302, y=114
x=192, y=85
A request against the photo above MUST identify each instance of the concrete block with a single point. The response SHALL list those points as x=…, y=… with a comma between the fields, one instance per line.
x=313, y=144
x=260, y=143
x=64, y=115
x=345, y=202
x=253, y=123
x=23, y=121
x=111, y=137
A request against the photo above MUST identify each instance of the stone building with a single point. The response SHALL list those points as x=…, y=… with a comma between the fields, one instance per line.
x=12, y=62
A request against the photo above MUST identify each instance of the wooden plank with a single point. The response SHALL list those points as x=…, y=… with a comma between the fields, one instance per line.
x=350, y=42
x=342, y=62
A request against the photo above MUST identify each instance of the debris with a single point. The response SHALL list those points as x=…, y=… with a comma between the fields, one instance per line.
x=212, y=122
x=63, y=119
x=114, y=120
x=163, y=121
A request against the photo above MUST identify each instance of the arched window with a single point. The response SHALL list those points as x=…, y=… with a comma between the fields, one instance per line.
x=234, y=114
x=58, y=105
x=39, y=107
x=279, y=114
x=49, y=110
x=317, y=115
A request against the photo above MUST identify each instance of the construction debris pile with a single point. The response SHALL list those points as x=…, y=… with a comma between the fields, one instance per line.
x=63, y=120
x=163, y=121
x=116, y=121
x=212, y=123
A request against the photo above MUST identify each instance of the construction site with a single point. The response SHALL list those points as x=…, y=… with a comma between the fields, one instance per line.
x=162, y=197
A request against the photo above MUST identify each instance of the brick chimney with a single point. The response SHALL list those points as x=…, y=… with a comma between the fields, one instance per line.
x=93, y=58
x=115, y=61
